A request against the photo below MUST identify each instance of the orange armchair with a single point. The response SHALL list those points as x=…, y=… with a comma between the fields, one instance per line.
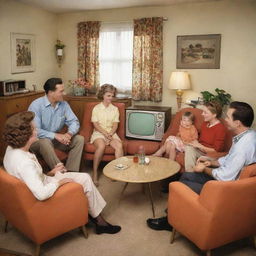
x=67, y=209
x=222, y=213
x=87, y=129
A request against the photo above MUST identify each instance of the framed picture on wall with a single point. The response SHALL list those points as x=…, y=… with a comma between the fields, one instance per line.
x=22, y=53
x=198, y=51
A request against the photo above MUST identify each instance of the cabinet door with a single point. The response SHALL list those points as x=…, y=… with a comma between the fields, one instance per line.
x=16, y=105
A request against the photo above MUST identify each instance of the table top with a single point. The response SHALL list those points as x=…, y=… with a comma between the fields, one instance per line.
x=159, y=168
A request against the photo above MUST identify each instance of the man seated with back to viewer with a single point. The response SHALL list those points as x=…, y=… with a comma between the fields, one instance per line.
x=51, y=115
x=242, y=152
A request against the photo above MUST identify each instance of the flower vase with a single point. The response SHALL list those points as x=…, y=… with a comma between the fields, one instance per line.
x=78, y=91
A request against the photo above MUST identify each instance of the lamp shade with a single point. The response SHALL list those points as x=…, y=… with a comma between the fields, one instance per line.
x=179, y=80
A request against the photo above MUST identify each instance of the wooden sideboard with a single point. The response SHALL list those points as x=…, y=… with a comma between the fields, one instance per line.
x=77, y=103
x=10, y=105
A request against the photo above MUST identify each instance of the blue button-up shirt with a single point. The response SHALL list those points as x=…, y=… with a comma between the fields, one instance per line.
x=49, y=119
x=241, y=153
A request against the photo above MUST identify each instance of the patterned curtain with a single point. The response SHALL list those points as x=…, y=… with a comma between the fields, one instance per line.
x=88, y=52
x=148, y=59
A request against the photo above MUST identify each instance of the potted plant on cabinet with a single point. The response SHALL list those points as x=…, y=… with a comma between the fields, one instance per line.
x=221, y=96
x=80, y=87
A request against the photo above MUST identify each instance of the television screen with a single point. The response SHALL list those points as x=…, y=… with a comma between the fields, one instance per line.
x=141, y=123
x=147, y=122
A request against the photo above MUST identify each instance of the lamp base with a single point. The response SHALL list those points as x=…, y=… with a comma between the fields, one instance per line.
x=179, y=94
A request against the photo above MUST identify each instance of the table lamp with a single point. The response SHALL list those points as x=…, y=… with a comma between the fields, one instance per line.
x=179, y=81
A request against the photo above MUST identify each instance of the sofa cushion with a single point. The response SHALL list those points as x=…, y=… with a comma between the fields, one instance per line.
x=133, y=145
x=90, y=148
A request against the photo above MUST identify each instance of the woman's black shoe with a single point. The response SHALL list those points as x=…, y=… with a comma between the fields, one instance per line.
x=109, y=229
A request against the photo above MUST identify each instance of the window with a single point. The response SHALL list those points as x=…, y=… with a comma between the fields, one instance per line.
x=115, y=55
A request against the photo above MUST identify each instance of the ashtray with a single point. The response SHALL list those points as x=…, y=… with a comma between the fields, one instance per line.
x=121, y=166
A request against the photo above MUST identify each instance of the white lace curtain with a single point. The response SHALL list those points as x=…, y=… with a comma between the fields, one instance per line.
x=116, y=54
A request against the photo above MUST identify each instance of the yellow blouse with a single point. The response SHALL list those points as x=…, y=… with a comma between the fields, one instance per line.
x=105, y=116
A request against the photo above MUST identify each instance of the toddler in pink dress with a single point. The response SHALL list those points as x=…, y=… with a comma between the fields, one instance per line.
x=187, y=133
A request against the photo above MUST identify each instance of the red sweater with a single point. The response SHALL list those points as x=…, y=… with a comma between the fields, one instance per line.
x=213, y=137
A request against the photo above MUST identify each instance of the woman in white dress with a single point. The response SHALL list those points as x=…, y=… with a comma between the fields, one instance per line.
x=105, y=119
x=19, y=133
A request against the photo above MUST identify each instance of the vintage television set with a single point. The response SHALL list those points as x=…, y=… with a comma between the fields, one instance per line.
x=147, y=122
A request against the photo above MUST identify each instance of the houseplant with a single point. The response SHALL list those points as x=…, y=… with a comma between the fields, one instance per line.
x=221, y=96
x=59, y=45
x=59, y=51
x=80, y=86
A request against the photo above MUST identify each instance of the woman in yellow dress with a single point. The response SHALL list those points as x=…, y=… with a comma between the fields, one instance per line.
x=105, y=119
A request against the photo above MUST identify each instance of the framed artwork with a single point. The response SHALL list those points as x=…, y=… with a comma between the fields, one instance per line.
x=22, y=53
x=198, y=51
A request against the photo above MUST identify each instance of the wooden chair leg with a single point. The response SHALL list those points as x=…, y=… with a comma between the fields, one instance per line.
x=173, y=233
x=6, y=226
x=85, y=232
x=208, y=253
x=37, y=251
x=254, y=241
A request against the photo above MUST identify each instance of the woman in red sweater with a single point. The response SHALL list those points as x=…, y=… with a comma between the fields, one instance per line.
x=211, y=138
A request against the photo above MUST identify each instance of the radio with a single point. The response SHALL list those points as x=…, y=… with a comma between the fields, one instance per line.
x=10, y=87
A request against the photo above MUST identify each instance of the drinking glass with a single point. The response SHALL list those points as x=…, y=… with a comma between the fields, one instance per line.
x=136, y=158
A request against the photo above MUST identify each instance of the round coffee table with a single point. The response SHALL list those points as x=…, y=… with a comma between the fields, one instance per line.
x=159, y=168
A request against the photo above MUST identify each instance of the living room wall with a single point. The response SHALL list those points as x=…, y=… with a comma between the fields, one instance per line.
x=234, y=19
x=21, y=18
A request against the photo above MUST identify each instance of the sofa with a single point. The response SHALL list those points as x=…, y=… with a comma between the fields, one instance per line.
x=131, y=145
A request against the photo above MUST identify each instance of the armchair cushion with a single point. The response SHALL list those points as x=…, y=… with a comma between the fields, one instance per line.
x=248, y=171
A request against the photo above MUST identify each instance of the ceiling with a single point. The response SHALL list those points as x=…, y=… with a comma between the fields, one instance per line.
x=62, y=6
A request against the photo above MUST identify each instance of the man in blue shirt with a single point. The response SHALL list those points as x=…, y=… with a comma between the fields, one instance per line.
x=239, y=118
x=52, y=113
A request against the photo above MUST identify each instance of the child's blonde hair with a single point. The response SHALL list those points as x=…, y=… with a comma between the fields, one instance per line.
x=190, y=115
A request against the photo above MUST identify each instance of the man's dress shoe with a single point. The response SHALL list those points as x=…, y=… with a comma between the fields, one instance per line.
x=159, y=224
x=109, y=229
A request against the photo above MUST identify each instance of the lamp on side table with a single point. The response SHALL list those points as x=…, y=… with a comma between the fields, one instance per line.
x=179, y=81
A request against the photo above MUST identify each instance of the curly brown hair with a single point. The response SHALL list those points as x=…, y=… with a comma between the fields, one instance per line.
x=215, y=107
x=18, y=129
x=106, y=88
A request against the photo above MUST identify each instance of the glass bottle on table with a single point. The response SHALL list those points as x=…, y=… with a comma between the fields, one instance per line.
x=141, y=155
